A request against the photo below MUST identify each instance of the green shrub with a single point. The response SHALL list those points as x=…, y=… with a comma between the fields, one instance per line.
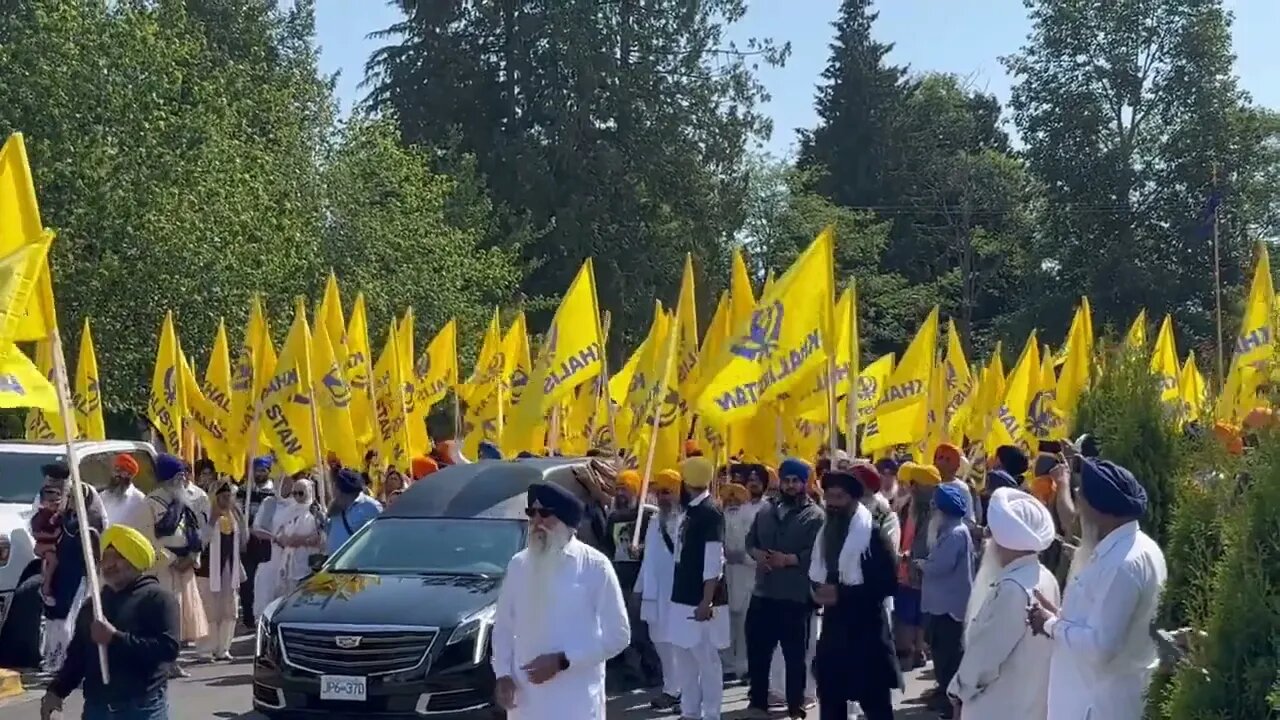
x=1123, y=410
x=1233, y=675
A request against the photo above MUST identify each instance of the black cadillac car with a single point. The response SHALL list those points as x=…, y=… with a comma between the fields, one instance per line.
x=396, y=623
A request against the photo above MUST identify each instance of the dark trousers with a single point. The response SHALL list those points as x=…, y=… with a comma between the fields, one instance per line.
x=946, y=642
x=879, y=707
x=771, y=623
x=152, y=707
x=246, y=592
x=641, y=657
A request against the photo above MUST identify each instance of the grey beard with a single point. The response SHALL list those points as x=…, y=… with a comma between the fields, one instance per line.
x=1088, y=541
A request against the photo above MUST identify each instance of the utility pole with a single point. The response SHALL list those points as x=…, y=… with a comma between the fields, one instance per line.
x=1216, y=200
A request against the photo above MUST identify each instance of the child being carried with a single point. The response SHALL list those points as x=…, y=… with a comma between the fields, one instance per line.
x=46, y=530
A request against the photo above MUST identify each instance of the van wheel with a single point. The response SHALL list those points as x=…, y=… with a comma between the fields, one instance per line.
x=20, y=637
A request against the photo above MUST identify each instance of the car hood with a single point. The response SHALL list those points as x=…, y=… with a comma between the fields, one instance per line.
x=440, y=601
x=14, y=516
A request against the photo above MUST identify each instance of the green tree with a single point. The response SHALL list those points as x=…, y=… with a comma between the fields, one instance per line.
x=1134, y=124
x=392, y=231
x=614, y=130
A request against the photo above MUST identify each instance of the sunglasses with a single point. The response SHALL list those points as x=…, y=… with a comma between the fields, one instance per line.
x=543, y=513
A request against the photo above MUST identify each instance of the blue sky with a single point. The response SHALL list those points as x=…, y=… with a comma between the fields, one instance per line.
x=966, y=37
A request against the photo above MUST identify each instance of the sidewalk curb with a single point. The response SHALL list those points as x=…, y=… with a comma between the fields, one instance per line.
x=10, y=684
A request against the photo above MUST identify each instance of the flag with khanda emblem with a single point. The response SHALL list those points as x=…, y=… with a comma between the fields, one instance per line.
x=167, y=404
x=436, y=372
x=333, y=400
x=1254, y=348
x=415, y=417
x=789, y=337
x=482, y=417
x=203, y=419
x=358, y=368
x=32, y=317
x=1011, y=426
x=869, y=391
x=257, y=358
x=1164, y=365
x=87, y=394
x=391, y=434
x=902, y=415
x=286, y=399
x=1044, y=419
x=43, y=424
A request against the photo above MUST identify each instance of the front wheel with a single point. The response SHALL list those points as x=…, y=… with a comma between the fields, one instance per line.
x=20, y=638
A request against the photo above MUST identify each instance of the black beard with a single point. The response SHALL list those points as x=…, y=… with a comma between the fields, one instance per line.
x=790, y=498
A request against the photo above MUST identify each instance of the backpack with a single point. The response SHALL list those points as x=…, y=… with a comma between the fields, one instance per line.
x=177, y=515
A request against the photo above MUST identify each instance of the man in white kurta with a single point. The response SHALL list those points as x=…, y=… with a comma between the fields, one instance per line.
x=123, y=502
x=739, y=573
x=657, y=572
x=699, y=622
x=1103, y=652
x=1005, y=668
x=560, y=618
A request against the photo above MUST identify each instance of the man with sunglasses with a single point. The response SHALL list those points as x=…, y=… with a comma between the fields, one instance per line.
x=560, y=617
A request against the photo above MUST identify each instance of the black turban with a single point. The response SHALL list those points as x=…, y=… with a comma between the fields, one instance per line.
x=348, y=481
x=562, y=503
x=1012, y=460
x=56, y=470
x=1111, y=489
x=997, y=479
x=846, y=481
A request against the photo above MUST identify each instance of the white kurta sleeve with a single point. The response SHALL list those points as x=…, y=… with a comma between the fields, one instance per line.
x=611, y=613
x=504, y=623
x=817, y=563
x=996, y=631
x=1101, y=635
x=712, y=561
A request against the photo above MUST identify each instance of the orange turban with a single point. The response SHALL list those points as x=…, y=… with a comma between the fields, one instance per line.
x=422, y=466
x=668, y=480
x=1229, y=436
x=126, y=464
x=1045, y=488
x=691, y=449
x=735, y=492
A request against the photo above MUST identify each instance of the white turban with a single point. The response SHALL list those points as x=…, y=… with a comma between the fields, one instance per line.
x=1019, y=522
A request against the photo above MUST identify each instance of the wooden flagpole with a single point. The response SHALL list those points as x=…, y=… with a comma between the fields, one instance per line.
x=653, y=444
x=63, y=389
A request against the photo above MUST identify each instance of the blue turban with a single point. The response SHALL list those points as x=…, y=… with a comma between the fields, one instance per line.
x=997, y=479
x=488, y=451
x=263, y=462
x=168, y=467
x=887, y=465
x=562, y=503
x=951, y=500
x=348, y=481
x=1111, y=489
x=792, y=467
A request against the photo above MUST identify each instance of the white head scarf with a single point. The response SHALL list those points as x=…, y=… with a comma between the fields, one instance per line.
x=1019, y=521
x=290, y=510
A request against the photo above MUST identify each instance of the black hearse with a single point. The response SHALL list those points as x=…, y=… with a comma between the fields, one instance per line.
x=396, y=622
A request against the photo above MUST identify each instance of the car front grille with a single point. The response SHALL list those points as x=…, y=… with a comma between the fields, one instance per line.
x=355, y=650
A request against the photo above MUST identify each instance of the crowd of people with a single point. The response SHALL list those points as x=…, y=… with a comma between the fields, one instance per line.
x=1026, y=582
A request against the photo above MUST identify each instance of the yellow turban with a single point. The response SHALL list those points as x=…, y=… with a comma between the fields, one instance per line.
x=925, y=475
x=629, y=479
x=697, y=472
x=666, y=480
x=131, y=545
x=735, y=492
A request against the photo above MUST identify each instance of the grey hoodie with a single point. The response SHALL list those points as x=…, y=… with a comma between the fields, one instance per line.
x=790, y=530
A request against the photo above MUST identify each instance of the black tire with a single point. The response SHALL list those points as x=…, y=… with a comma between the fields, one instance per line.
x=20, y=636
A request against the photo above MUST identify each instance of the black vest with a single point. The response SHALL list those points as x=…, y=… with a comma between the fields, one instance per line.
x=703, y=523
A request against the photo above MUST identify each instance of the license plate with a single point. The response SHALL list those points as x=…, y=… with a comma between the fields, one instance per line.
x=342, y=687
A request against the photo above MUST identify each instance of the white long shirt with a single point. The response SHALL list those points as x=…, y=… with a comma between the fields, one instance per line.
x=740, y=567
x=589, y=625
x=657, y=574
x=126, y=508
x=1103, y=653
x=1005, y=669
x=684, y=631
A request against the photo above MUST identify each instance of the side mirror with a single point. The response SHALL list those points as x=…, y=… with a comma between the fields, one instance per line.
x=317, y=561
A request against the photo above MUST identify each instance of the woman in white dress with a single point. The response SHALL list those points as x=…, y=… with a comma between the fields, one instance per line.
x=299, y=534
x=266, y=579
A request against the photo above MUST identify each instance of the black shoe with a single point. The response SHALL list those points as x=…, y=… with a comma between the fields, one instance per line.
x=664, y=702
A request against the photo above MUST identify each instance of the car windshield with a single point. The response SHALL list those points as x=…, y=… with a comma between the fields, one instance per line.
x=431, y=545
x=21, y=473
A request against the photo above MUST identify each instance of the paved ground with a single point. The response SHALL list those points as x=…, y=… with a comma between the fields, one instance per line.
x=222, y=692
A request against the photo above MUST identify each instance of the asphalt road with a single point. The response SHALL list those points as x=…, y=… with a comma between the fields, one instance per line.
x=221, y=691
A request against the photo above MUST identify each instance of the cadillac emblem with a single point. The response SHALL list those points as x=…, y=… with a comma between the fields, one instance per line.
x=347, y=642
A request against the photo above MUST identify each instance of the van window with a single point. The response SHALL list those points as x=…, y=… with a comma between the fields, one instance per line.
x=96, y=469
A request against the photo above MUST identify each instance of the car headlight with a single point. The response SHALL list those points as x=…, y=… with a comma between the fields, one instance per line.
x=477, y=625
x=264, y=627
x=6, y=549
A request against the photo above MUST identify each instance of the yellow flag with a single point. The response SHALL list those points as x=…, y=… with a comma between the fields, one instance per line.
x=166, y=406
x=901, y=417
x=1044, y=420
x=742, y=300
x=790, y=333
x=646, y=375
x=332, y=396
x=484, y=400
x=87, y=394
x=20, y=226
x=959, y=383
x=1164, y=365
x=663, y=406
x=569, y=356
x=936, y=432
x=515, y=346
x=1074, y=377
x=1136, y=338
x=203, y=419
x=359, y=371
x=388, y=396
x=686, y=319
x=217, y=377
x=286, y=399
x=330, y=315
x=578, y=431
x=19, y=272
x=415, y=418
x=254, y=362
x=715, y=342
x=810, y=402
x=988, y=398
x=872, y=382
x=1010, y=426
x=1191, y=390
x=23, y=385
x=437, y=368
x=488, y=367
x=1254, y=347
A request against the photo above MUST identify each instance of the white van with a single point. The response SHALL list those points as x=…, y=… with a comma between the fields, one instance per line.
x=20, y=481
